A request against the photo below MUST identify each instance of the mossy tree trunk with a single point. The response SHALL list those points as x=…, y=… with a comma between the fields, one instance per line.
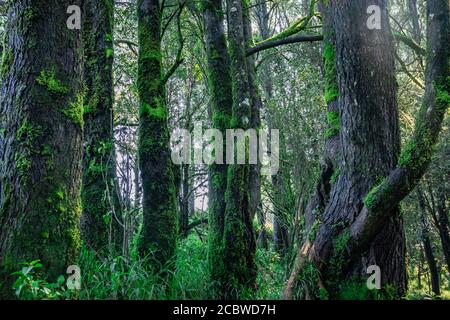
x=255, y=117
x=42, y=117
x=101, y=219
x=239, y=238
x=159, y=230
x=360, y=224
x=362, y=146
x=219, y=79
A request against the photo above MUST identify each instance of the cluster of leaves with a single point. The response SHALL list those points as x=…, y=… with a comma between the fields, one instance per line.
x=29, y=285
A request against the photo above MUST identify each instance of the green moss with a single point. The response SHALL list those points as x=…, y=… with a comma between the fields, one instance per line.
x=334, y=124
x=28, y=13
x=376, y=193
x=75, y=111
x=109, y=5
x=59, y=194
x=234, y=123
x=109, y=37
x=331, y=86
x=60, y=208
x=45, y=235
x=27, y=135
x=218, y=180
x=299, y=25
x=24, y=130
x=313, y=231
x=48, y=80
x=156, y=113
x=96, y=168
x=334, y=176
x=442, y=93
x=109, y=53
x=406, y=156
x=331, y=94
x=221, y=120
x=418, y=151
x=23, y=165
x=7, y=61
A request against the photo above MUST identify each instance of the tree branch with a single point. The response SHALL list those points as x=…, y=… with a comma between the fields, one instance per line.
x=283, y=41
x=197, y=223
x=179, y=59
x=411, y=44
x=416, y=155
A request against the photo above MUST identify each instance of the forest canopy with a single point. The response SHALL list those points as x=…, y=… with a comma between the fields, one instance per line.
x=224, y=149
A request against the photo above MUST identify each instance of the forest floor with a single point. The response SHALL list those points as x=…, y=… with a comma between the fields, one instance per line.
x=119, y=277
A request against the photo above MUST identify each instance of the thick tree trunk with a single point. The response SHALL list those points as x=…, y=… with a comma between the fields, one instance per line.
x=369, y=141
x=364, y=117
x=101, y=220
x=42, y=114
x=239, y=238
x=428, y=249
x=159, y=230
x=351, y=225
x=219, y=79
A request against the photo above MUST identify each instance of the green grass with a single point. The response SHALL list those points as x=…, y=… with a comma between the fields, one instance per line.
x=185, y=278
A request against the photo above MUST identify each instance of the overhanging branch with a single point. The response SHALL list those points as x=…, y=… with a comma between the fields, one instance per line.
x=280, y=42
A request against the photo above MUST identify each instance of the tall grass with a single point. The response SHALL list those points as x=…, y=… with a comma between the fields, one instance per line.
x=186, y=277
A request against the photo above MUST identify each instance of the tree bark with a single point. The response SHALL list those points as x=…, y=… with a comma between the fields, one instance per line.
x=371, y=217
x=415, y=25
x=219, y=79
x=42, y=114
x=239, y=238
x=101, y=220
x=184, y=201
x=159, y=230
x=363, y=119
x=255, y=121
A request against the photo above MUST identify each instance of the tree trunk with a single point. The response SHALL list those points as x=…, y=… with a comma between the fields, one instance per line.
x=219, y=79
x=159, y=230
x=101, y=220
x=361, y=220
x=42, y=114
x=415, y=25
x=184, y=201
x=363, y=121
x=428, y=249
x=239, y=238
x=255, y=119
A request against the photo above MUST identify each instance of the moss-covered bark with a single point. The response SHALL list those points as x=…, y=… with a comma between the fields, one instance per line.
x=239, y=239
x=255, y=114
x=363, y=127
x=159, y=230
x=100, y=222
x=219, y=79
x=372, y=230
x=42, y=140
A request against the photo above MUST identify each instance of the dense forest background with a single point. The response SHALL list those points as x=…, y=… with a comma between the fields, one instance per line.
x=86, y=177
